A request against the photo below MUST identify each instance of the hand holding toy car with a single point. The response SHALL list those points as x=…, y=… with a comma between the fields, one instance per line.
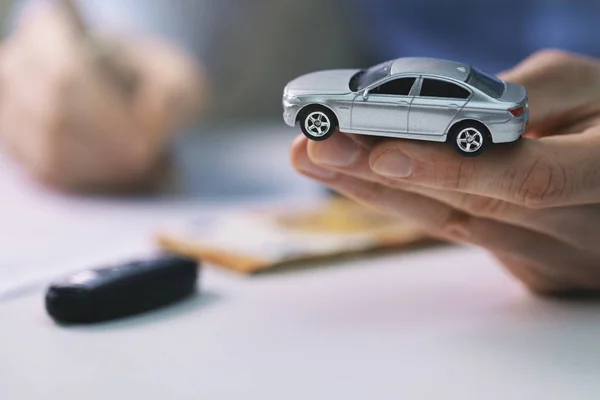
x=535, y=206
x=413, y=98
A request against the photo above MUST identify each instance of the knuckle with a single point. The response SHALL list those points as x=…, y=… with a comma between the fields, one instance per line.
x=372, y=193
x=533, y=278
x=482, y=206
x=543, y=184
x=457, y=177
x=551, y=57
x=363, y=191
x=455, y=226
x=566, y=66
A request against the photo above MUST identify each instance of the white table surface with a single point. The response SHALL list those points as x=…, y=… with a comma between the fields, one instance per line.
x=443, y=323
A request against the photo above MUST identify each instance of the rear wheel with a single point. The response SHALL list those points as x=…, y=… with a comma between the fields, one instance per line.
x=470, y=138
x=318, y=123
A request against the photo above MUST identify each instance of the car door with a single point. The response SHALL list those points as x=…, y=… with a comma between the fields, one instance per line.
x=385, y=108
x=435, y=106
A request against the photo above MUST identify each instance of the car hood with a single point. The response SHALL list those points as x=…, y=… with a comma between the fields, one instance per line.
x=323, y=82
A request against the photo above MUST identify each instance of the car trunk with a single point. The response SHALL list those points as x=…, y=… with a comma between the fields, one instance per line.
x=513, y=93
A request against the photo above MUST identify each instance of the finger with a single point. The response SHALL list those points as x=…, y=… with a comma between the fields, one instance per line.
x=543, y=279
x=561, y=87
x=367, y=142
x=562, y=223
x=434, y=217
x=300, y=161
x=549, y=172
x=450, y=224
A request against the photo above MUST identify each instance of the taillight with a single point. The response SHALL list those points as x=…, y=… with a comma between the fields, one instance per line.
x=517, y=112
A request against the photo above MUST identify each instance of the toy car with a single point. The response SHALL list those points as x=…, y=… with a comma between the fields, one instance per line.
x=412, y=98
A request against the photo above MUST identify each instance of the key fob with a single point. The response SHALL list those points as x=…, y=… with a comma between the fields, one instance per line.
x=112, y=292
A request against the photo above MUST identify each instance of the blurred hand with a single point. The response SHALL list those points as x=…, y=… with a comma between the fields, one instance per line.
x=535, y=204
x=64, y=116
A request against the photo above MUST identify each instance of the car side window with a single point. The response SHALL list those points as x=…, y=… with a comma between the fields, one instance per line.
x=395, y=87
x=437, y=88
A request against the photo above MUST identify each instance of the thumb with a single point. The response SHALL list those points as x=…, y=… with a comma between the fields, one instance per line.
x=562, y=87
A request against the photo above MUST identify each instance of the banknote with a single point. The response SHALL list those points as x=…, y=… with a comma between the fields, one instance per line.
x=253, y=240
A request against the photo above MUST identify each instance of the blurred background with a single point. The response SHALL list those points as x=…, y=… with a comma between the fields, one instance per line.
x=5, y=7
x=96, y=91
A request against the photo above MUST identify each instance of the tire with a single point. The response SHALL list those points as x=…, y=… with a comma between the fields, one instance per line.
x=318, y=123
x=470, y=138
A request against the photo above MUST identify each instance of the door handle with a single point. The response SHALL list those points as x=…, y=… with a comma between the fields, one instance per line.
x=402, y=103
x=452, y=106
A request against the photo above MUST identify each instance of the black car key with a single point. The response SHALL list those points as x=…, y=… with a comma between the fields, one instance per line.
x=112, y=292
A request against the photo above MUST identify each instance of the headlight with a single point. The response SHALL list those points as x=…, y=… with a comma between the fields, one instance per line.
x=291, y=100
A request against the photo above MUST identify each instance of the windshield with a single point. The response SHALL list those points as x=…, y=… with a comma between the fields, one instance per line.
x=367, y=77
x=488, y=84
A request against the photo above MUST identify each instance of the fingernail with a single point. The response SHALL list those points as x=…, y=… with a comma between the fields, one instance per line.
x=307, y=167
x=337, y=151
x=393, y=164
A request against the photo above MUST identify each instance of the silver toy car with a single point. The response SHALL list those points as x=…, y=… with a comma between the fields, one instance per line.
x=413, y=98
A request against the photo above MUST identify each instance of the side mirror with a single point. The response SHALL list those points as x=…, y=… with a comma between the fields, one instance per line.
x=365, y=94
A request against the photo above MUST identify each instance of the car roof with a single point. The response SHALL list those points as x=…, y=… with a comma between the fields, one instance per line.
x=431, y=66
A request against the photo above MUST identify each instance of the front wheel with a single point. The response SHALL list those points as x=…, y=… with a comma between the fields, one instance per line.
x=470, y=139
x=318, y=124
